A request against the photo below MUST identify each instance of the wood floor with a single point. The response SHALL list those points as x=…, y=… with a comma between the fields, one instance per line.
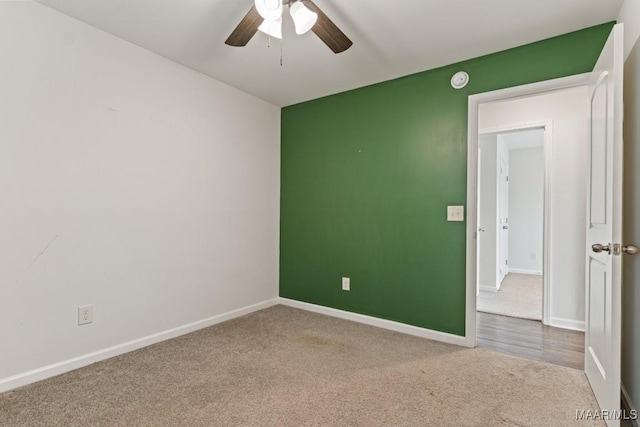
x=531, y=339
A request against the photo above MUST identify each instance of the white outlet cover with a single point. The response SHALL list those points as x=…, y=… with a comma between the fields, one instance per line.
x=85, y=314
x=346, y=284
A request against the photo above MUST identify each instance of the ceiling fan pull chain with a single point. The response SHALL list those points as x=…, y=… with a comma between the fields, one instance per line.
x=281, y=43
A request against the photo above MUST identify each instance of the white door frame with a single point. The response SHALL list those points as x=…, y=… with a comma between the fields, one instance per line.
x=547, y=125
x=472, y=183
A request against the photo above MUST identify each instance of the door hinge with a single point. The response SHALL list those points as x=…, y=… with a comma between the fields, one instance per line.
x=506, y=262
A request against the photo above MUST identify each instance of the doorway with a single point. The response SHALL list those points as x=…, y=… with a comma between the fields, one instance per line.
x=554, y=256
x=511, y=204
x=563, y=115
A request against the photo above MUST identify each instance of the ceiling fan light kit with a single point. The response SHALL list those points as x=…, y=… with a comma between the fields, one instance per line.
x=272, y=28
x=266, y=16
x=303, y=18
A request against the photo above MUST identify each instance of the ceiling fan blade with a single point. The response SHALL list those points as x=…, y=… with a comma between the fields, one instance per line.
x=327, y=31
x=245, y=29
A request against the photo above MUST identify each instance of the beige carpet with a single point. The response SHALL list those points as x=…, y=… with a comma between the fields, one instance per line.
x=520, y=296
x=287, y=367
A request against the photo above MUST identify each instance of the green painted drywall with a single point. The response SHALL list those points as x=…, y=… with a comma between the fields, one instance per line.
x=367, y=176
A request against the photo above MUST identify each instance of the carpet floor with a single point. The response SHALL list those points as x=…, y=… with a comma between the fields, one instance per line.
x=287, y=367
x=520, y=295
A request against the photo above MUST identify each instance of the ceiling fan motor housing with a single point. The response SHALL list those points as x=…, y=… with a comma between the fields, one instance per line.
x=270, y=10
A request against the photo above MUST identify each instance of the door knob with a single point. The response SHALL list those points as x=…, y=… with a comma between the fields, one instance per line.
x=630, y=250
x=505, y=227
x=597, y=248
x=481, y=229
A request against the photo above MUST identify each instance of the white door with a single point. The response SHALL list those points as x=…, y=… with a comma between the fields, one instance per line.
x=480, y=239
x=604, y=227
x=503, y=223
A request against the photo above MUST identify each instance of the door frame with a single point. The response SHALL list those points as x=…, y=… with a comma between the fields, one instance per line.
x=472, y=182
x=547, y=125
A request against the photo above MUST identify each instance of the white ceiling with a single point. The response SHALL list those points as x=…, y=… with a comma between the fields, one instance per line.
x=391, y=38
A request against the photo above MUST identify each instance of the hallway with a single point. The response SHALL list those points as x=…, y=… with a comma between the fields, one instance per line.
x=531, y=339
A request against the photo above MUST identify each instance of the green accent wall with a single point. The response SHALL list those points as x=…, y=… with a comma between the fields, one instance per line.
x=367, y=176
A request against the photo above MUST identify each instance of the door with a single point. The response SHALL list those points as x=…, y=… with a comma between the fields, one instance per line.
x=480, y=240
x=503, y=216
x=487, y=205
x=604, y=227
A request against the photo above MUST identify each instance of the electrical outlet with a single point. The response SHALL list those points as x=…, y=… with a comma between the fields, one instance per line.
x=85, y=314
x=346, y=284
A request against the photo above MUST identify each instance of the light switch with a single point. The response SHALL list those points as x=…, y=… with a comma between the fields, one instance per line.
x=455, y=213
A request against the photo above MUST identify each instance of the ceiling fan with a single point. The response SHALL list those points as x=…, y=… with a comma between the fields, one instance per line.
x=266, y=16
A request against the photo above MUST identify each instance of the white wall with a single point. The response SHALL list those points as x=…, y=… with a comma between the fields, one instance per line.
x=128, y=182
x=631, y=228
x=526, y=208
x=630, y=15
x=569, y=112
x=487, y=255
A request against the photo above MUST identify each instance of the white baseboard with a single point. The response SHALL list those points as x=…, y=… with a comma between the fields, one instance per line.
x=489, y=289
x=524, y=271
x=628, y=403
x=374, y=321
x=45, y=372
x=558, y=322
